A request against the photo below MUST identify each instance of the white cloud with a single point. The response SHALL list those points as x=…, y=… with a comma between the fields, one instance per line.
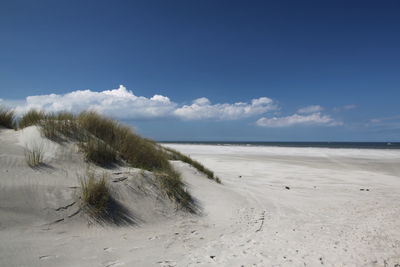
x=123, y=104
x=201, y=101
x=310, y=109
x=119, y=103
x=296, y=119
x=202, y=108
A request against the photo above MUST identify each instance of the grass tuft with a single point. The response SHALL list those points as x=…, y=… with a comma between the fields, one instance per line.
x=50, y=129
x=99, y=126
x=95, y=194
x=176, y=155
x=7, y=118
x=98, y=152
x=32, y=117
x=173, y=186
x=135, y=150
x=142, y=153
x=60, y=126
x=34, y=156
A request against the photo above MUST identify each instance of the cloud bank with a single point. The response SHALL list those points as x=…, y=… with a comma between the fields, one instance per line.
x=119, y=103
x=296, y=119
x=202, y=108
x=124, y=104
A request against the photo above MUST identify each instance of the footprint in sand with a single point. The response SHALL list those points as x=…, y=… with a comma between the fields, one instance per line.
x=47, y=257
x=135, y=248
x=167, y=263
x=114, y=263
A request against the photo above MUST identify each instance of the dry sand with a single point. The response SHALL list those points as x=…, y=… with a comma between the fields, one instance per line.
x=326, y=217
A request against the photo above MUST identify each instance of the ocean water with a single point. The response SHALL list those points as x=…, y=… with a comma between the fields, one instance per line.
x=366, y=145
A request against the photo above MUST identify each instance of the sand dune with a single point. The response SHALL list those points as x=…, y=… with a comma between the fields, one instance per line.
x=276, y=207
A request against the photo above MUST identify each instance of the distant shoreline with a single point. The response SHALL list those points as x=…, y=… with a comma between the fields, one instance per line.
x=357, y=145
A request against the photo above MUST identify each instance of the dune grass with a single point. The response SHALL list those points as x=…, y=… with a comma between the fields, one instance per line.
x=173, y=186
x=54, y=126
x=119, y=141
x=99, y=126
x=98, y=152
x=7, y=118
x=104, y=142
x=133, y=149
x=34, y=156
x=32, y=117
x=60, y=126
x=176, y=155
x=95, y=194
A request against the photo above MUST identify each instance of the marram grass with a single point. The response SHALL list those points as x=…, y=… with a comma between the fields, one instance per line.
x=34, y=156
x=105, y=142
x=7, y=118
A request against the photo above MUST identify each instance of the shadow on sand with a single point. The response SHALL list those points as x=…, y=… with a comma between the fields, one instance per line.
x=116, y=214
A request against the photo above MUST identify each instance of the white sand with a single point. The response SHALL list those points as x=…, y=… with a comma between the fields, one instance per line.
x=250, y=220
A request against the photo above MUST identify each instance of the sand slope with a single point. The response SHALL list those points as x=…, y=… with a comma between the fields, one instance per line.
x=36, y=203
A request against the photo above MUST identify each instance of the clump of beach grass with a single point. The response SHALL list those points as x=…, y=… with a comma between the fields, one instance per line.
x=172, y=185
x=50, y=129
x=99, y=126
x=137, y=152
x=34, y=156
x=95, y=194
x=54, y=126
x=98, y=152
x=120, y=141
x=60, y=126
x=133, y=149
x=32, y=117
x=7, y=118
x=176, y=155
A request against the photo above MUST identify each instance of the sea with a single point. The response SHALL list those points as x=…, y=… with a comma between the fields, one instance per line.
x=358, y=145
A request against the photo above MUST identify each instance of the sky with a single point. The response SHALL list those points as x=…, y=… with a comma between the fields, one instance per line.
x=210, y=70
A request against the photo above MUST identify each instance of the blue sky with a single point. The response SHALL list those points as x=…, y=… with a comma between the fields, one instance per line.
x=210, y=70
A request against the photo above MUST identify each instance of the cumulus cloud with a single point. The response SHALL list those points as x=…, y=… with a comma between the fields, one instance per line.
x=124, y=104
x=296, y=119
x=310, y=109
x=202, y=108
x=119, y=103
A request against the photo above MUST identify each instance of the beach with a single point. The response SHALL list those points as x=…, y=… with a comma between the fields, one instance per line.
x=275, y=207
x=199, y=133
x=305, y=206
